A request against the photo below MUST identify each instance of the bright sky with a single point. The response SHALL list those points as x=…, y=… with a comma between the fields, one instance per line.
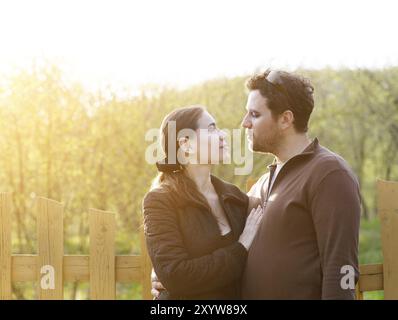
x=180, y=42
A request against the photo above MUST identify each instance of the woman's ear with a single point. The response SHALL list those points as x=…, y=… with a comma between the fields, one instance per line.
x=184, y=144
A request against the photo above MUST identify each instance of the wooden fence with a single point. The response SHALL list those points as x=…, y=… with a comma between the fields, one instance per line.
x=384, y=276
x=102, y=269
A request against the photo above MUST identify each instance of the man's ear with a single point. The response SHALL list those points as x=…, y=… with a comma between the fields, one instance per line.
x=286, y=119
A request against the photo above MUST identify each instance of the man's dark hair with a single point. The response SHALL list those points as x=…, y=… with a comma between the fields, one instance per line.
x=285, y=91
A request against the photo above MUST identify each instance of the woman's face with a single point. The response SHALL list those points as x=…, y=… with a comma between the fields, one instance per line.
x=210, y=145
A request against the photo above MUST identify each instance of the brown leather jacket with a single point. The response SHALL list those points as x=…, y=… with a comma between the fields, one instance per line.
x=190, y=256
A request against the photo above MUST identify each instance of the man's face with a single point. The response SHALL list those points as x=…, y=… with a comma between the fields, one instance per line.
x=265, y=134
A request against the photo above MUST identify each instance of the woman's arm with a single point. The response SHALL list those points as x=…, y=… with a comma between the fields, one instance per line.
x=179, y=273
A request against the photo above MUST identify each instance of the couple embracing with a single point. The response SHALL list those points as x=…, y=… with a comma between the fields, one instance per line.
x=294, y=235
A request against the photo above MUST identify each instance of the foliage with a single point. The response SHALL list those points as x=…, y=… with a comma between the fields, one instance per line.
x=87, y=149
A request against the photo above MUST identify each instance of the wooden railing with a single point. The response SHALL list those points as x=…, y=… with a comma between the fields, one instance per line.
x=50, y=268
x=384, y=276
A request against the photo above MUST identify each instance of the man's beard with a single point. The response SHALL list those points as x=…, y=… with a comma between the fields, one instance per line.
x=268, y=143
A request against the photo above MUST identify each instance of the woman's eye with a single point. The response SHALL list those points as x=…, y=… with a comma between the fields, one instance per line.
x=254, y=114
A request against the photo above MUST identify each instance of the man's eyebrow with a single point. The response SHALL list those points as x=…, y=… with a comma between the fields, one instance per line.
x=250, y=109
x=253, y=110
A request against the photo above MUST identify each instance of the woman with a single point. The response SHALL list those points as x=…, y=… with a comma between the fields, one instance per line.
x=196, y=225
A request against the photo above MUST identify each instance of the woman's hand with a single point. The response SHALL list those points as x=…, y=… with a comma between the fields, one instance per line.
x=252, y=223
x=157, y=286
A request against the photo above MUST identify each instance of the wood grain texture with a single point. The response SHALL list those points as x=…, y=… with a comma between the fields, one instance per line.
x=50, y=241
x=102, y=255
x=146, y=269
x=5, y=246
x=387, y=203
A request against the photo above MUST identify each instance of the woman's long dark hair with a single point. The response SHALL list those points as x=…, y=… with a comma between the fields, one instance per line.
x=172, y=177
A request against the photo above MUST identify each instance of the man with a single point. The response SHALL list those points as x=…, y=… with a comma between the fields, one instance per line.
x=306, y=246
x=308, y=238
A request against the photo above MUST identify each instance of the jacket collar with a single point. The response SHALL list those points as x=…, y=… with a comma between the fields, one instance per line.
x=227, y=190
x=309, y=150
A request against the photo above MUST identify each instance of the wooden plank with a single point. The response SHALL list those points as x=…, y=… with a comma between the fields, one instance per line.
x=146, y=269
x=371, y=277
x=24, y=267
x=372, y=282
x=387, y=193
x=128, y=269
x=5, y=246
x=368, y=269
x=102, y=255
x=50, y=241
x=76, y=268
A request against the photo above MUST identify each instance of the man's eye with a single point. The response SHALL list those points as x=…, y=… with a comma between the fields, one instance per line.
x=254, y=114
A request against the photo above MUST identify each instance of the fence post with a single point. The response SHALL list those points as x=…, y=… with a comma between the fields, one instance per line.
x=388, y=213
x=146, y=267
x=5, y=246
x=50, y=241
x=102, y=255
x=358, y=293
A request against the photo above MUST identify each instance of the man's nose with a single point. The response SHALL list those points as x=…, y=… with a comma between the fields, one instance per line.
x=246, y=123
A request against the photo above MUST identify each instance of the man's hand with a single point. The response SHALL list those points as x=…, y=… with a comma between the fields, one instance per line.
x=157, y=286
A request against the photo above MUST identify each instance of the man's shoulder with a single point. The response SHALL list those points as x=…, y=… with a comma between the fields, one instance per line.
x=326, y=161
